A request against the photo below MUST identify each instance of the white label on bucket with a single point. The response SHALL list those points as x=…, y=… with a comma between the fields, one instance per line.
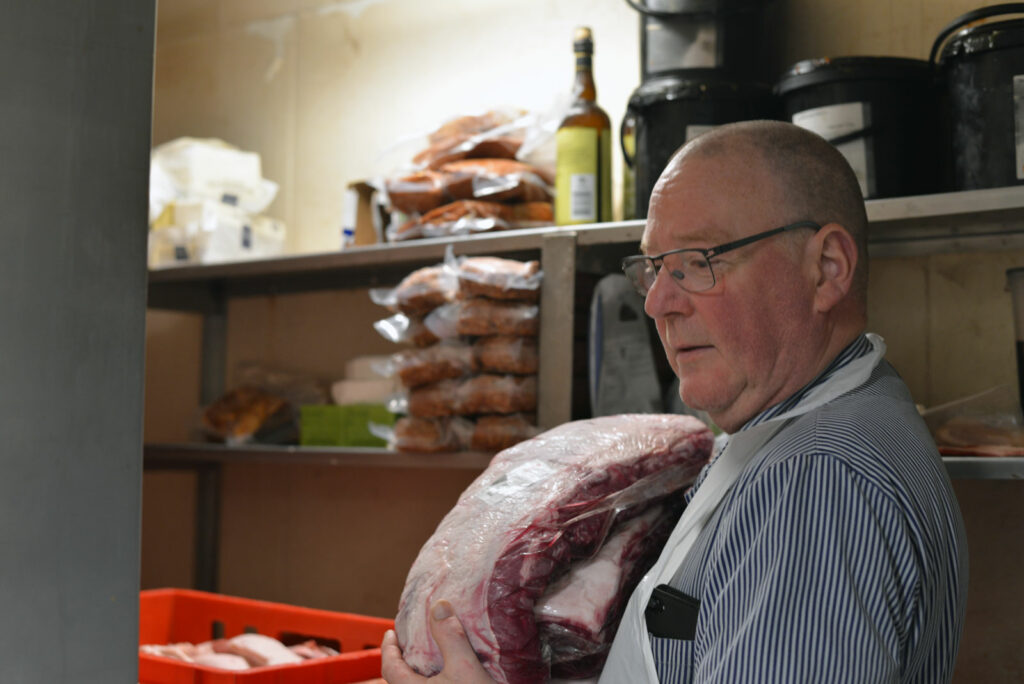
x=693, y=130
x=1018, y=123
x=835, y=122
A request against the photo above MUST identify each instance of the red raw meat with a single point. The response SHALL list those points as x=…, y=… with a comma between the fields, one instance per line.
x=579, y=613
x=539, y=506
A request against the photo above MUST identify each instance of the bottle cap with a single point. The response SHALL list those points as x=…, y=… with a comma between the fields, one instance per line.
x=583, y=40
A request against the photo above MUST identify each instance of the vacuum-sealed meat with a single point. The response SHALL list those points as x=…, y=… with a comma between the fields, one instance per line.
x=540, y=506
x=506, y=354
x=578, y=614
x=498, y=278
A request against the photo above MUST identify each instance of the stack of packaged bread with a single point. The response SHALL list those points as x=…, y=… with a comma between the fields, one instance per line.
x=468, y=179
x=469, y=374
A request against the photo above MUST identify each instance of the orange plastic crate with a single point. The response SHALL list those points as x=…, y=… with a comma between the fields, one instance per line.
x=168, y=616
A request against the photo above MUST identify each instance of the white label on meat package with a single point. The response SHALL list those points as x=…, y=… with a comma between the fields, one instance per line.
x=693, y=130
x=1018, y=123
x=583, y=197
x=834, y=122
x=515, y=481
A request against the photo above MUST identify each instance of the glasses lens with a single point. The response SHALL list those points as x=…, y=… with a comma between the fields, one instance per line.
x=690, y=270
x=640, y=273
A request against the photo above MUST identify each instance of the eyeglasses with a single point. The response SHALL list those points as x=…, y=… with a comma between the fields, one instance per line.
x=690, y=268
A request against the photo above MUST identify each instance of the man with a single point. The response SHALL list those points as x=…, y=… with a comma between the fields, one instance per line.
x=823, y=543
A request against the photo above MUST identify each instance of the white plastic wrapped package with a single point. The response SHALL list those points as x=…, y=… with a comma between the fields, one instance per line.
x=539, y=507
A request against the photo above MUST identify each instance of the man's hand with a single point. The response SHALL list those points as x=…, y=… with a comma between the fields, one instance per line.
x=461, y=666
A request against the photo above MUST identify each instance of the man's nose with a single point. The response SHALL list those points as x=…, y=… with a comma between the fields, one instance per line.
x=666, y=297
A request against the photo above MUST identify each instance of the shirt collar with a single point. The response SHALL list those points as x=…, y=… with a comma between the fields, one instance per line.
x=856, y=349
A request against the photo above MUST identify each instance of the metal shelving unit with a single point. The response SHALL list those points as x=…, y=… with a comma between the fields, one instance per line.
x=978, y=220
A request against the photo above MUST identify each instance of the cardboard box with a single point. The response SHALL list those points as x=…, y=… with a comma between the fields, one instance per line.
x=363, y=219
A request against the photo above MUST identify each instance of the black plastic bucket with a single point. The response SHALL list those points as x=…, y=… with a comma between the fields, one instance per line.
x=669, y=111
x=982, y=72
x=880, y=112
x=733, y=36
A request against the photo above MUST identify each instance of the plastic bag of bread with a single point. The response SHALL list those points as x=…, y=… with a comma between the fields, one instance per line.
x=241, y=414
x=463, y=217
x=494, y=433
x=493, y=134
x=420, y=292
x=496, y=180
x=436, y=400
x=480, y=316
x=401, y=328
x=431, y=434
x=448, y=359
x=498, y=278
x=506, y=354
x=489, y=393
x=416, y=193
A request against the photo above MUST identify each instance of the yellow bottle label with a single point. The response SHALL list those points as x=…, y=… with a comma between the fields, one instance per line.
x=583, y=176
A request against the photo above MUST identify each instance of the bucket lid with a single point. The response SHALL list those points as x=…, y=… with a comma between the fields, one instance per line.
x=692, y=84
x=977, y=39
x=669, y=9
x=830, y=69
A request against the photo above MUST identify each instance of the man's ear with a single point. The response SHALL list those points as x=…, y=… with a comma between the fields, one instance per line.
x=833, y=253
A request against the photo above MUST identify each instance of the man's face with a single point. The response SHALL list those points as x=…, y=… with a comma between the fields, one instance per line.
x=736, y=348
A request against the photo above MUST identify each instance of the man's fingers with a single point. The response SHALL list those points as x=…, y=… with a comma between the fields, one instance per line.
x=393, y=667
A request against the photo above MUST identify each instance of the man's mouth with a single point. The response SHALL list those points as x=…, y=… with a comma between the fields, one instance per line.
x=691, y=350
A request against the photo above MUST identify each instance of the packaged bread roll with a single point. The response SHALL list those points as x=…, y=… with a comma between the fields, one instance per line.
x=435, y=400
x=425, y=289
x=499, y=278
x=431, y=434
x=506, y=354
x=447, y=359
x=496, y=180
x=494, y=433
x=480, y=316
x=497, y=394
x=416, y=193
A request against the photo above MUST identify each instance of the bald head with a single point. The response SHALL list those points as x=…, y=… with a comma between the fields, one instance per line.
x=812, y=179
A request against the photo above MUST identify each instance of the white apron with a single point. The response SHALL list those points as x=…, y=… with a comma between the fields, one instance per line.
x=630, y=660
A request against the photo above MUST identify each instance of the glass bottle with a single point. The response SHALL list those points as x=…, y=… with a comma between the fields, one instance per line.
x=583, y=163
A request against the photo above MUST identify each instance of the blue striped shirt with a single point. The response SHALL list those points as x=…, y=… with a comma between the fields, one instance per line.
x=838, y=556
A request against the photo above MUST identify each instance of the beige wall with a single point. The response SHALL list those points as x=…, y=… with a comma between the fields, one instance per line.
x=320, y=89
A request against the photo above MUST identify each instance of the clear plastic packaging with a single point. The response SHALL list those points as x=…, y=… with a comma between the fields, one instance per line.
x=400, y=328
x=447, y=359
x=539, y=507
x=488, y=393
x=431, y=434
x=464, y=217
x=495, y=433
x=988, y=423
x=262, y=407
x=481, y=316
x=497, y=278
x=497, y=180
x=507, y=354
x=420, y=292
